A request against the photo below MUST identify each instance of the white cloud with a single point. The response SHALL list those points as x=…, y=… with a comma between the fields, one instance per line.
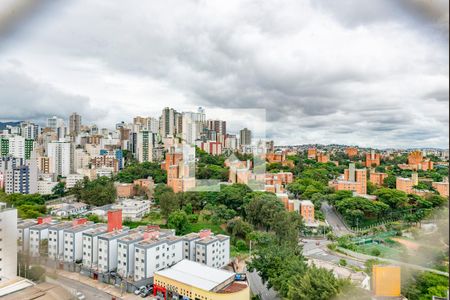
x=361, y=72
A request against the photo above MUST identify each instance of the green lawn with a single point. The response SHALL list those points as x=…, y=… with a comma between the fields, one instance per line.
x=393, y=252
x=154, y=217
x=205, y=224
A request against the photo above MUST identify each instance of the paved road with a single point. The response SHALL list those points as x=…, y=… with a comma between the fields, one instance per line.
x=312, y=250
x=74, y=286
x=334, y=221
x=259, y=288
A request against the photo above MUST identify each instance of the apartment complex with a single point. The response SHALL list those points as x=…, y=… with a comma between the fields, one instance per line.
x=353, y=180
x=90, y=245
x=377, y=178
x=407, y=184
x=155, y=254
x=373, y=159
x=8, y=242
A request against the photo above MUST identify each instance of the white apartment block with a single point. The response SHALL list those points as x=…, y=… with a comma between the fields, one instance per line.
x=72, y=179
x=38, y=237
x=206, y=248
x=45, y=187
x=213, y=251
x=152, y=255
x=189, y=245
x=8, y=242
x=17, y=146
x=107, y=250
x=104, y=172
x=90, y=245
x=23, y=235
x=133, y=210
x=73, y=242
x=125, y=253
x=59, y=155
x=56, y=240
x=126, y=248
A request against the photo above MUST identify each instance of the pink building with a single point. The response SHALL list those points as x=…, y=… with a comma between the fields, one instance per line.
x=212, y=148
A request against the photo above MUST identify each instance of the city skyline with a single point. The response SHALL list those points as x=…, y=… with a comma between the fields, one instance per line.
x=375, y=75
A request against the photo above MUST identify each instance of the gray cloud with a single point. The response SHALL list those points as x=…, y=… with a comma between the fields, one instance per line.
x=23, y=98
x=326, y=71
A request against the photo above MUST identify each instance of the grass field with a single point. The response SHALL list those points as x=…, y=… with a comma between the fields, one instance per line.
x=204, y=224
x=391, y=251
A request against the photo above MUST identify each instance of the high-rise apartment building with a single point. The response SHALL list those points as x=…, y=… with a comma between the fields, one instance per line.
x=145, y=143
x=29, y=130
x=74, y=124
x=169, y=122
x=22, y=179
x=245, y=137
x=17, y=146
x=59, y=154
x=192, y=125
x=218, y=126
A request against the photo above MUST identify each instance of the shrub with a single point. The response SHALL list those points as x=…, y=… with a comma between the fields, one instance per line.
x=241, y=245
x=342, y=262
x=375, y=252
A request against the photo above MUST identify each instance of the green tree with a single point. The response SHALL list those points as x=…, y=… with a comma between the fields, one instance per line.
x=160, y=189
x=96, y=192
x=394, y=198
x=238, y=228
x=390, y=182
x=315, y=283
x=286, y=226
x=178, y=220
x=59, y=189
x=168, y=203
x=142, y=170
x=262, y=208
x=232, y=196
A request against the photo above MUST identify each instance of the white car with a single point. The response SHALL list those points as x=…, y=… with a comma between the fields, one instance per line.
x=140, y=290
x=80, y=296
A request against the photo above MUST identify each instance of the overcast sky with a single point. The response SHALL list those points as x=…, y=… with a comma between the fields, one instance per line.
x=364, y=72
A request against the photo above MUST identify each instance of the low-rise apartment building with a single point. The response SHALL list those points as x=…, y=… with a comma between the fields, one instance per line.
x=156, y=254
x=107, y=249
x=56, y=240
x=132, y=209
x=73, y=242
x=213, y=251
x=39, y=238
x=23, y=235
x=90, y=245
x=126, y=244
x=377, y=178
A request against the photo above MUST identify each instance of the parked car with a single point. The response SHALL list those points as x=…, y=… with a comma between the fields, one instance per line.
x=140, y=290
x=80, y=296
x=240, y=277
x=146, y=292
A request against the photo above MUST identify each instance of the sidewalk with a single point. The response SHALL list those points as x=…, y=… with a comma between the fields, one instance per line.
x=106, y=288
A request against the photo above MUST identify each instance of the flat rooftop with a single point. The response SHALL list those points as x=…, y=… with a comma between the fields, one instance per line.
x=115, y=234
x=61, y=225
x=99, y=229
x=195, y=274
x=26, y=224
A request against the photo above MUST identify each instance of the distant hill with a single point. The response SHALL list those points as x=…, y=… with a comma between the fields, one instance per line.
x=4, y=124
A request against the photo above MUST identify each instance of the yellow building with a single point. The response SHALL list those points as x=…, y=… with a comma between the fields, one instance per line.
x=386, y=281
x=195, y=281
